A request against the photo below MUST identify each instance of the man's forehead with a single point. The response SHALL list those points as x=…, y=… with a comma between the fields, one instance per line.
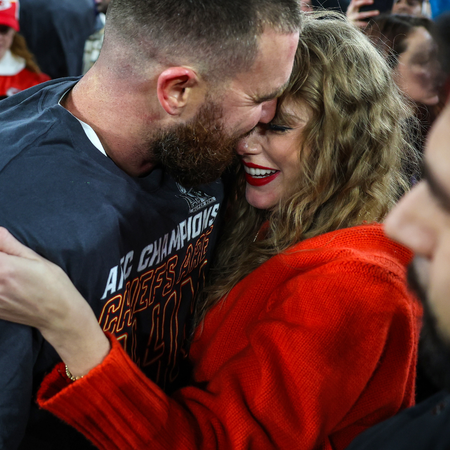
x=271, y=70
x=276, y=92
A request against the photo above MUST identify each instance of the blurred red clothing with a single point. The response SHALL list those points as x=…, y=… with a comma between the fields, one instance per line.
x=11, y=84
x=15, y=77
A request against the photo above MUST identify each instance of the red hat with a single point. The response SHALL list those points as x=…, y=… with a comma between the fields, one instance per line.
x=9, y=13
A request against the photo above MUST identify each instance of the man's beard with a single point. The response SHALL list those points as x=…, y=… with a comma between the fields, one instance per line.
x=434, y=349
x=197, y=152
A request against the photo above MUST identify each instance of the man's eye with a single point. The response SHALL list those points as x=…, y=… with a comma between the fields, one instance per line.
x=277, y=128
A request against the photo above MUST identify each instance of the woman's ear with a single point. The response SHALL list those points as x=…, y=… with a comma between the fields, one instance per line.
x=174, y=88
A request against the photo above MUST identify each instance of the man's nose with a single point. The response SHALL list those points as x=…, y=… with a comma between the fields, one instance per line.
x=268, y=111
x=412, y=221
x=248, y=145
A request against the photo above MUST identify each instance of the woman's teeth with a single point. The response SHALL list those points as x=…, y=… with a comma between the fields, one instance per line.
x=261, y=173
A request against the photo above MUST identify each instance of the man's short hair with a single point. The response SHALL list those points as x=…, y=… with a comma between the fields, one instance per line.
x=219, y=36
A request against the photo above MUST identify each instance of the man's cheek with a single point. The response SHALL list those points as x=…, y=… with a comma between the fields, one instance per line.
x=439, y=287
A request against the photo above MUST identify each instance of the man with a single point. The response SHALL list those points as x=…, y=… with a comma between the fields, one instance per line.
x=96, y=175
x=421, y=221
x=410, y=7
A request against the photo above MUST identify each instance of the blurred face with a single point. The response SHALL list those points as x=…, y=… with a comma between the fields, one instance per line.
x=6, y=38
x=250, y=97
x=306, y=5
x=417, y=72
x=421, y=221
x=271, y=157
x=410, y=7
x=102, y=5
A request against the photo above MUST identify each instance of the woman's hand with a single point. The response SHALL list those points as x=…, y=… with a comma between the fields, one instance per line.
x=36, y=292
x=358, y=18
x=32, y=290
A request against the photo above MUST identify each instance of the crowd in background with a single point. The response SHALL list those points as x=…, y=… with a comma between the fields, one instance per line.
x=42, y=40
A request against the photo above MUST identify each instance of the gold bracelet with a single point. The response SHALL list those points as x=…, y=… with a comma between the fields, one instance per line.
x=70, y=376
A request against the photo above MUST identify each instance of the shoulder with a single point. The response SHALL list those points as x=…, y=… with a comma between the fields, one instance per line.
x=39, y=97
x=354, y=269
x=30, y=116
x=350, y=249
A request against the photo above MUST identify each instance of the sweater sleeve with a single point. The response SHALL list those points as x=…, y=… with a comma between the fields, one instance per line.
x=311, y=376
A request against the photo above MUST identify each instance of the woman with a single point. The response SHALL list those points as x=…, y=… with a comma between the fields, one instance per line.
x=308, y=334
x=18, y=70
x=411, y=51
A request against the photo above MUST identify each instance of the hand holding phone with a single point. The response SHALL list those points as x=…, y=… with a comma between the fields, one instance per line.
x=359, y=11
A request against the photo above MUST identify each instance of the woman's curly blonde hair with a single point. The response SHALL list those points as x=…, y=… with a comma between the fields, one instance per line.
x=351, y=172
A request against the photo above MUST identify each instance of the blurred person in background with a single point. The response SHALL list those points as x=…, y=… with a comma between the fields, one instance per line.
x=306, y=5
x=360, y=18
x=102, y=5
x=412, y=53
x=421, y=221
x=18, y=69
x=56, y=32
x=408, y=7
x=407, y=44
x=95, y=41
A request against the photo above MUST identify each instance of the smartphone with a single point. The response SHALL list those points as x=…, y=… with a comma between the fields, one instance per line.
x=380, y=5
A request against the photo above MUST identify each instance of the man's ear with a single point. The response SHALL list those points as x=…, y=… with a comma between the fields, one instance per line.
x=174, y=88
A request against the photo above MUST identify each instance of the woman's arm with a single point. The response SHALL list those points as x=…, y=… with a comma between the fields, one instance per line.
x=333, y=356
x=36, y=292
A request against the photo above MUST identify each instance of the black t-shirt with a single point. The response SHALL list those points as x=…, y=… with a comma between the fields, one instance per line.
x=137, y=249
x=426, y=426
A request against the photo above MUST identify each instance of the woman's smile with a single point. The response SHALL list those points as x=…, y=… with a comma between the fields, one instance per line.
x=258, y=175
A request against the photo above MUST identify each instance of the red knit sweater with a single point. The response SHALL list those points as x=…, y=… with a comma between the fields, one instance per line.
x=11, y=84
x=307, y=351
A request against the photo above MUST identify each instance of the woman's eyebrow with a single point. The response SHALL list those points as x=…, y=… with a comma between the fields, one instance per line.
x=436, y=188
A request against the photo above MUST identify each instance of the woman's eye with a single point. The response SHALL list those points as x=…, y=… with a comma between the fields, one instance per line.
x=277, y=128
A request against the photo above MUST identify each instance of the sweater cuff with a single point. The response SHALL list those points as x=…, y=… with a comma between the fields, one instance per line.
x=95, y=404
x=57, y=380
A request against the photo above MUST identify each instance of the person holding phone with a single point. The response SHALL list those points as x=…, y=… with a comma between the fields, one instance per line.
x=356, y=15
x=360, y=11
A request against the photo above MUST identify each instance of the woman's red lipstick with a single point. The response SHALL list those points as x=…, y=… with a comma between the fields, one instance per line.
x=258, y=180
